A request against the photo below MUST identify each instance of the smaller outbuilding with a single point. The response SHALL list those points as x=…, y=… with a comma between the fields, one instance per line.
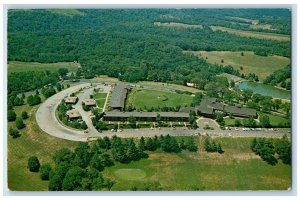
x=71, y=100
x=89, y=102
x=73, y=114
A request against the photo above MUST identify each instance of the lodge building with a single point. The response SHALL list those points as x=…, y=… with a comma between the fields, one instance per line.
x=118, y=97
x=146, y=116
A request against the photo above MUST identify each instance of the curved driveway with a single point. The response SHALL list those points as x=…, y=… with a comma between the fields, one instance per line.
x=46, y=119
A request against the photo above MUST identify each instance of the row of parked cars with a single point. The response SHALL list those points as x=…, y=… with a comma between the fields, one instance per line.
x=259, y=129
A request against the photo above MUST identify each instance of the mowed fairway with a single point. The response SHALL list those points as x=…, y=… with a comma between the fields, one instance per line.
x=251, y=63
x=140, y=98
x=254, y=34
x=15, y=66
x=32, y=142
x=237, y=169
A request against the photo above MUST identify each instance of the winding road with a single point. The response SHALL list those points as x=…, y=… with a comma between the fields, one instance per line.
x=48, y=122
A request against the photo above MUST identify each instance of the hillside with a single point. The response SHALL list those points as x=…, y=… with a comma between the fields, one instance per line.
x=128, y=43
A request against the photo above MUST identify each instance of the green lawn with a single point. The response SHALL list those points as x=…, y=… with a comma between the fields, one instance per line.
x=33, y=141
x=100, y=99
x=100, y=95
x=237, y=169
x=277, y=120
x=139, y=98
x=229, y=121
x=260, y=65
x=16, y=66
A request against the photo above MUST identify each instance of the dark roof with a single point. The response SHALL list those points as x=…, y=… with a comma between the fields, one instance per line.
x=71, y=99
x=89, y=102
x=146, y=114
x=208, y=102
x=118, y=96
x=209, y=99
x=240, y=110
x=186, y=109
x=204, y=109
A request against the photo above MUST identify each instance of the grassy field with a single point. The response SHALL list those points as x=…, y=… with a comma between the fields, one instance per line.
x=254, y=34
x=275, y=120
x=100, y=99
x=33, y=141
x=16, y=66
x=237, y=169
x=230, y=122
x=260, y=65
x=161, y=84
x=252, y=21
x=177, y=25
x=139, y=98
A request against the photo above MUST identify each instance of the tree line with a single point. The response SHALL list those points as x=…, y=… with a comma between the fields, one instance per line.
x=80, y=169
x=271, y=150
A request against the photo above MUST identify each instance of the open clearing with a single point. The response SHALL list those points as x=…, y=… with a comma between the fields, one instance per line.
x=177, y=25
x=32, y=142
x=16, y=66
x=100, y=99
x=252, y=21
x=254, y=34
x=275, y=120
x=130, y=174
x=165, y=85
x=237, y=169
x=140, y=98
x=251, y=63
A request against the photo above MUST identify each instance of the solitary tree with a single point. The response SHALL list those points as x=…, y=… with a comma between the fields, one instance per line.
x=11, y=115
x=14, y=133
x=24, y=115
x=33, y=164
x=19, y=123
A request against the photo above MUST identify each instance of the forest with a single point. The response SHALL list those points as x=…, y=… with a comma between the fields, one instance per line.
x=125, y=43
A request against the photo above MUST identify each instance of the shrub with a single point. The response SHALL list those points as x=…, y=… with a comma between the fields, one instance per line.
x=33, y=164
x=11, y=115
x=14, y=133
x=19, y=123
x=24, y=115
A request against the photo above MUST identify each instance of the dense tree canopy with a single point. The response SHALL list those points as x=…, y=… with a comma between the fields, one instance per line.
x=128, y=45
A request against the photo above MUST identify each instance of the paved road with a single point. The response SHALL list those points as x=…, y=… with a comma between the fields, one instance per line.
x=48, y=122
x=85, y=94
